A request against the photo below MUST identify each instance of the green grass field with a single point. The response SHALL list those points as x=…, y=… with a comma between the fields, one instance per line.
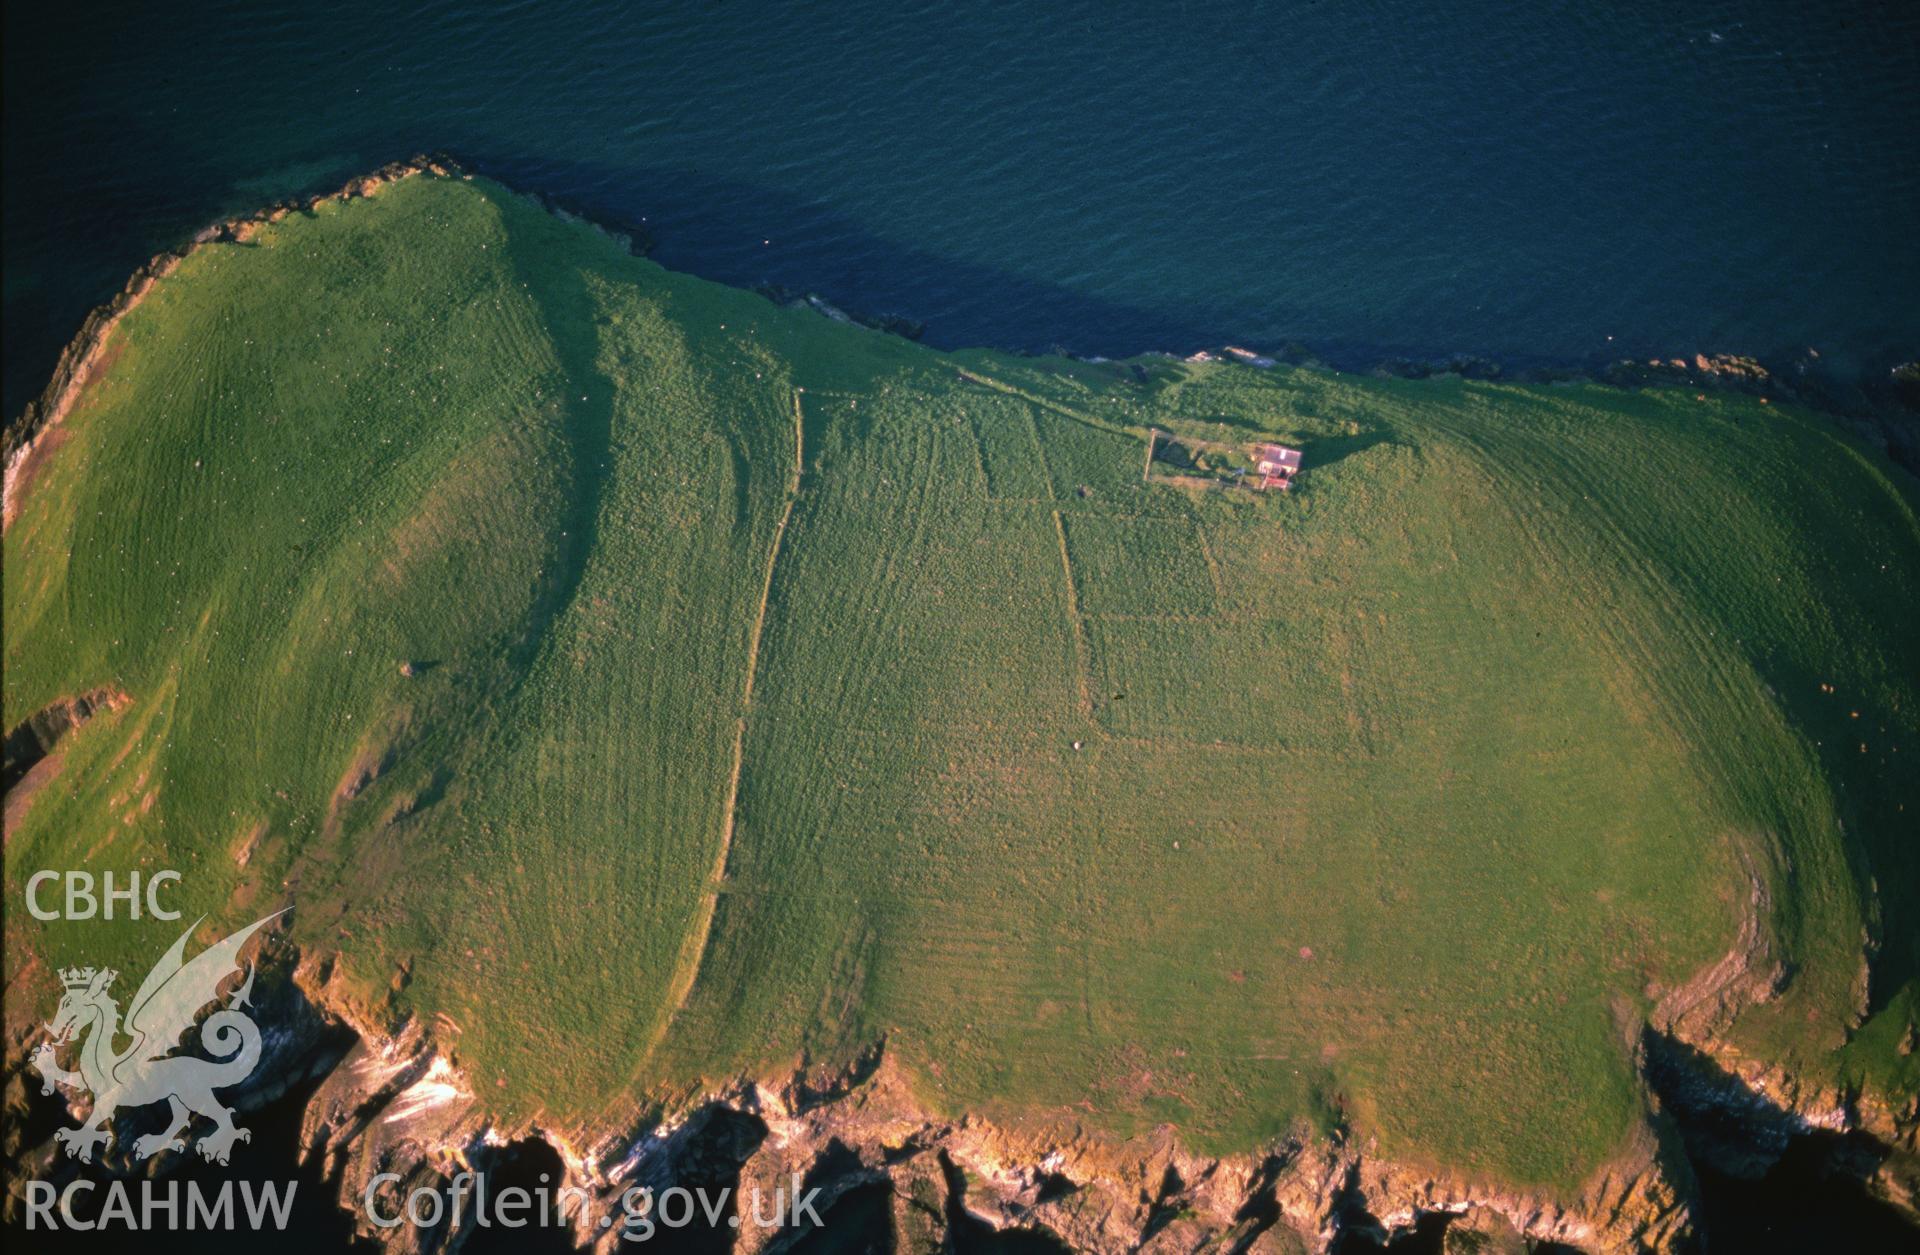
x=778, y=686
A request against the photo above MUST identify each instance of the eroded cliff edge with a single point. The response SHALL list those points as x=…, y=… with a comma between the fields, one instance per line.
x=393, y=1114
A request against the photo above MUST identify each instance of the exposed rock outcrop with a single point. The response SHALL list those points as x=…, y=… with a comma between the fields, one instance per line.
x=398, y=1107
x=29, y=742
x=1722, y=370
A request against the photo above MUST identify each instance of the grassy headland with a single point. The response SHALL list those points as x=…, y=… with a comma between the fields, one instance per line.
x=661, y=685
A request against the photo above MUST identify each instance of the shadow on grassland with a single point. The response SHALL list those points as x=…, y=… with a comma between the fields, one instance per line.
x=566, y=306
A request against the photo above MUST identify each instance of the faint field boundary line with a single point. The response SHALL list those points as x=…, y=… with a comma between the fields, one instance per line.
x=1085, y=420
x=1082, y=659
x=1076, y=626
x=1214, y=575
x=693, y=952
x=1177, y=616
x=980, y=455
x=1206, y=553
x=1032, y=426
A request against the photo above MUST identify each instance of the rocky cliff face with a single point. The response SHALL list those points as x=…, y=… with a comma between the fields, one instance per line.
x=394, y=1115
x=392, y=1104
x=395, y=1106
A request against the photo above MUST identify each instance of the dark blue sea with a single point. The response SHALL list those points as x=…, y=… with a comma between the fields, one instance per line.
x=1533, y=182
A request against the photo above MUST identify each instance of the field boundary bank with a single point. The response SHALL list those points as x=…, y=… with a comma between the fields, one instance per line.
x=694, y=951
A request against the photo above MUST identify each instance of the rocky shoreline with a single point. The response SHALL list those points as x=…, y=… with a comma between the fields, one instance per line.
x=388, y=1100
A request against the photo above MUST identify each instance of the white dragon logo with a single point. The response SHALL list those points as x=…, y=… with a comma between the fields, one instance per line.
x=165, y=1007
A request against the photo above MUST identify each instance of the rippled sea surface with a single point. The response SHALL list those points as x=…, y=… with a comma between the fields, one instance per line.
x=1368, y=178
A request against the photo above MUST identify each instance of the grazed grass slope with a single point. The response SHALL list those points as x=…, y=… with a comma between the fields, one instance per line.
x=777, y=686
